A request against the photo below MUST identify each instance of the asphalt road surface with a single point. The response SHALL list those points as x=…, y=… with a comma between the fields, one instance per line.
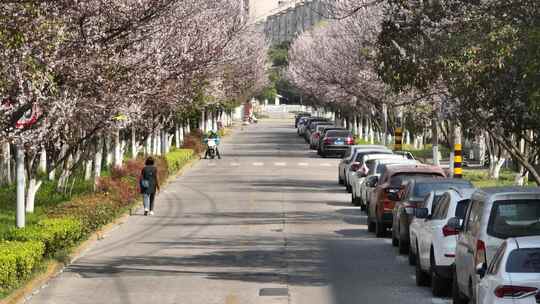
x=266, y=224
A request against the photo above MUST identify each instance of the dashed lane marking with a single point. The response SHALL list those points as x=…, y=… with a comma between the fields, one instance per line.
x=211, y=164
x=280, y=164
x=303, y=164
x=258, y=164
x=235, y=164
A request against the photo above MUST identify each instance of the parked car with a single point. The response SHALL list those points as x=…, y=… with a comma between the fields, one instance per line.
x=298, y=116
x=313, y=127
x=493, y=215
x=316, y=135
x=351, y=156
x=300, y=124
x=305, y=127
x=358, y=163
x=407, y=154
x=385, y=193
x=413, y=193
x=433, y=242
x=323, y=135
x=513, y=275
x=336, y=143
x=375, y=169
x=359, y=170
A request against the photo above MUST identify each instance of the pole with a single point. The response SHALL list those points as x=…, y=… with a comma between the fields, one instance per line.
x=458, y=154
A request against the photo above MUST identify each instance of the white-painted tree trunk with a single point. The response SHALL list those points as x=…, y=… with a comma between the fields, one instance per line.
x=163, y=142
x=21, y=187
x=435, y=141
x=42, y=168
x=134, y=144
x=5, y=169
x=188, y=128
x=495, y=166
x=520, y=177
x=98, y=159
x=361, y=126
x=117, y=155
x=33, y=188
x=355, y=126
x=148, y=145
x=108, y=151
x=177, y=136
x=88, y=170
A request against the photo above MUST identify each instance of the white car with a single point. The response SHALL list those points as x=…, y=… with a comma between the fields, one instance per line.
x=316, y=135
x=493, y=215
x=351, y=155
x=356, y=177
x=513, y=276
x=433, y=242
x=375, y=169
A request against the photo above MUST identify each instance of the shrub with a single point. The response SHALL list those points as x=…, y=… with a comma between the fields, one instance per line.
x=55, y=233
x=178, y=158
x=194, y=142
x=17, y=260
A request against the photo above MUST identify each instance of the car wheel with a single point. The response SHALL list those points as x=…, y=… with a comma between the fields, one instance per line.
x=439, y=285
x=422, y=278
x=379, y=229
x=412, y=258
x=395, y=241
x=457, y=297
x=403, y=245
x=371, y=226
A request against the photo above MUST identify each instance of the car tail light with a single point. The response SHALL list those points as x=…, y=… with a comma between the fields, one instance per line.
x=388, y=205
x=328, y=141
x=349, y=140
x=355, y=167
x=480, y=256
x=448, y=231
x=510, y=291
x=317, y=135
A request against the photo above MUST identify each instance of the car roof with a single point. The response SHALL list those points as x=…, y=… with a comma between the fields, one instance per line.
x=414, y=168
x=396, y=161
x=430, y=180
x=502, y=193
x=384, y=156
x=463, y=193
x=527, y=241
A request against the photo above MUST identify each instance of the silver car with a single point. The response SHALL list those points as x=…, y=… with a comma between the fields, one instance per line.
x=513, y=276
x=493, y=215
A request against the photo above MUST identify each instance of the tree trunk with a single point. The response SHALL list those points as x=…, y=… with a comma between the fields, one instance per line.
x=5, y=169
x=98, y=158
x=385, y=124
x=43, y=161
x=520, y=175
x=435, y=141
x=33, y=188
x=21, y=187
x=134, y=150
x=117, y=156
x=361, y=126
x=88, y=170
x=164, y=142
x=177, y=136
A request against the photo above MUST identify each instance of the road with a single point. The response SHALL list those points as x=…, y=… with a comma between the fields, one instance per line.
x=266, y=224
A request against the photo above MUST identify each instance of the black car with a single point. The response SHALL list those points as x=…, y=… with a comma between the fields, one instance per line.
x=298, y=116
x=413, y=192
x=336, y=142
x=323, y=134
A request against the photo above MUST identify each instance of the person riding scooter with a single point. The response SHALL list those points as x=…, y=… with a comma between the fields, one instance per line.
x=212, y=141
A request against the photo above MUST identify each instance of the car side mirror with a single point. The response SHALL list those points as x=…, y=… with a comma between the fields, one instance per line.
x=455, y=223
x=372, y=181
x=481, y=269
x=421, y=213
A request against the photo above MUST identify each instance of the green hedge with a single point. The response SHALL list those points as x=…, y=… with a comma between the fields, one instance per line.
x=17, y=260
x=55, y=234
x=178, y=158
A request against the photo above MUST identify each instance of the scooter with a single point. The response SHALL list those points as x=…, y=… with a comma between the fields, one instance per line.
x=211, y=146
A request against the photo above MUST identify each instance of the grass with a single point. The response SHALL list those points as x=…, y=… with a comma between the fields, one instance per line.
x=47, y=197
x=480, y=178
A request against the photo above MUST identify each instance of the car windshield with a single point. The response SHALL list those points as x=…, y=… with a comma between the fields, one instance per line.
x=515, y=218
x=524, y=260
x=422, y=189
x=398, y=179
x=338, y=134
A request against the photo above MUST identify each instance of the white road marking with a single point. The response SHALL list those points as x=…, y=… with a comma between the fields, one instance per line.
x=303, y=164
x=325, y=165
x=280, y=164
x=211, y=164
x=440, y=301
x=235, y=164
x=258, y=164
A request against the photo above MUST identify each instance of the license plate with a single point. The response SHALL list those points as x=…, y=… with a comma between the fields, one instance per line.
x=339, y=142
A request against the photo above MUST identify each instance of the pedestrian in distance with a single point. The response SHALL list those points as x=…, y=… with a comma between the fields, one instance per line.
x=149, y=185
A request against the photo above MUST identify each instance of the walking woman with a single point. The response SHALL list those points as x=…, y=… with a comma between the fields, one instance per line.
x=149, y=185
